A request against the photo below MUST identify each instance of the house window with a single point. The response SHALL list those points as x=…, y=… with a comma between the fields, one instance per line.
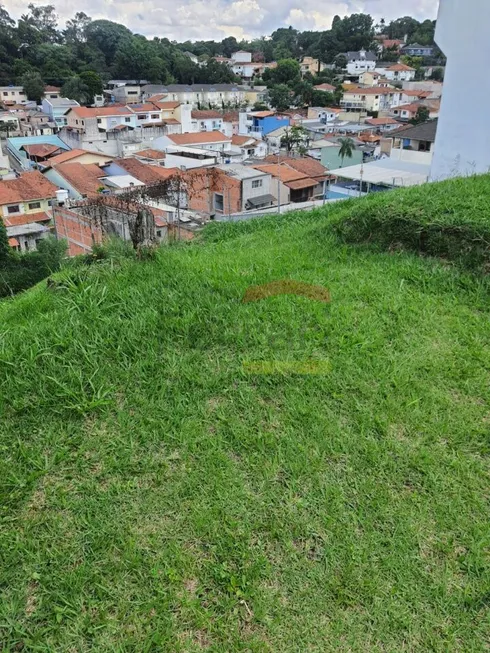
x=127, y=119
x=34, y=205
x=218, y=202
x=15, y=208
x=256, y=183
x=132, y=92
x=155, y=116
x=159, y=233
x=142, y=116
x=99, y=120
x=5, y=93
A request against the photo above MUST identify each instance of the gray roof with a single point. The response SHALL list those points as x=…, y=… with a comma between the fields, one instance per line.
x=356, y=55
x=241, y=172
x=189, y=88
x=417, y=46
x=426, y=131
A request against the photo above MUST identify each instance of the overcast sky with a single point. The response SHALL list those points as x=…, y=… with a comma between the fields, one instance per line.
x=214, y=19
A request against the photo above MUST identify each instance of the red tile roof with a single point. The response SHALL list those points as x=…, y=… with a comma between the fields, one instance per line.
x=202, y=137
x=205, y=115
x=145, y=173
x=13, y=242
x=40, y=149
x=85, y=178
x=382, y=121
x=263, y=114
x=242, y=140
x=328, y=88
x=97, y=112
x=301, y=183
x=151, y=154
x=307, y=166
x=52, y=89
x=29, y=186
x=399, y=67
x=167, y=106
x=73, y=154
x=26, y=218
x=231, y=116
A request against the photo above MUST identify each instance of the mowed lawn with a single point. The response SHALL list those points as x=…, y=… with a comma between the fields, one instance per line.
x=157, y=496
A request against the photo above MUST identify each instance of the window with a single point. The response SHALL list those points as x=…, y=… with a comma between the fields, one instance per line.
x=132, y=92
x=34, y=205
x=142, y=116
x=256, y=183
x=15, y=208
x=26, y=245
x=218, y=202
x=155, y=116
x=159, y=233
x=99, y=120
x=5, y=93
x=127, y=119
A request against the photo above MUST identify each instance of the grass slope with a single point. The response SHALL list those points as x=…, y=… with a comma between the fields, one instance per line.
x=156, y=497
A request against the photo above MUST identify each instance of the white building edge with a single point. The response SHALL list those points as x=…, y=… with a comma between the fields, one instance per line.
x=462, y=144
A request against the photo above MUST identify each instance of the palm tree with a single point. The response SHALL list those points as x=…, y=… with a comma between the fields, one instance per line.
x=347, y=147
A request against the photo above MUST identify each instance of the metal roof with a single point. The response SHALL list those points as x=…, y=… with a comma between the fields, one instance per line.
x=386, y=171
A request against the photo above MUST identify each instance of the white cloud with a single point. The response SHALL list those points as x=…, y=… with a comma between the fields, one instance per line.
x=214, y=19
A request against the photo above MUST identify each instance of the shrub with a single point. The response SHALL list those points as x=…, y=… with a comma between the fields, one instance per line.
x=21, y=271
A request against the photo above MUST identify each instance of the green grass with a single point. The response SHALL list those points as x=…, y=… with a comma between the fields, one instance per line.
x=156, y=497
x=449, y=219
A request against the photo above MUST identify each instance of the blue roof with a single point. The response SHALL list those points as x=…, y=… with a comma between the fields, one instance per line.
x=14, y=145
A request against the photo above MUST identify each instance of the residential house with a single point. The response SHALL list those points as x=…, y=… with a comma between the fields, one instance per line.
x=433, y=87
x=256, y=94
x=372, y=99
x=76, y=156
x=391, y=44
x=295, y=181
x=206, y=120
x=323, y=114
x=416, y=138
x=151, y=157
x=360, y=61
x=143, y=172
x=369, y=78
x=242, y=65
x=52, y=92
x=80, y=180
x=212, y=141
x=326, y=88
x=249, y=147
x=199, y=96
x=231, y=122
x=10, y=119
x=418, y=50
x=462, y=144
x=12, y=95
x=38, y=123
x=125, y=91
x=56, y=108
x=311, y=65
x=228, y=189
x=25, y=209
x=39, y=153
x=18, y=156
x=261, y=123
x=399, y=72
x=408, y=111
x=191, y=56
x=383, y=124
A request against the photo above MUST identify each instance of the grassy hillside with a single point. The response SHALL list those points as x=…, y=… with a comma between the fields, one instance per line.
x=157, y=496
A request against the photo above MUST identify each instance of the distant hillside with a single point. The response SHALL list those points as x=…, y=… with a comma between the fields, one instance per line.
x=185, y=471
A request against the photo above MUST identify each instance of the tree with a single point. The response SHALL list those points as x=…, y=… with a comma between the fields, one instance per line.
x=288, y=71
x=437, y=75
x=322, y=99
x=295, y=138
x=5, y=251
x=76, y=28
x=93, y=82
x=303, y=91
x=33, y=86
x=280, y=97
x=76, y=89
x=347, y=147
x=341, y=61
x=422, y=115
x=260, y=106
x=106, y=36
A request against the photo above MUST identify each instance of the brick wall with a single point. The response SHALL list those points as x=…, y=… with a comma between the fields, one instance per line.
x=202, y=185
x=79, y=231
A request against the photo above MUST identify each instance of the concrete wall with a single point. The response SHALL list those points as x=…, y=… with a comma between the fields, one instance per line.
x=463, y=145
